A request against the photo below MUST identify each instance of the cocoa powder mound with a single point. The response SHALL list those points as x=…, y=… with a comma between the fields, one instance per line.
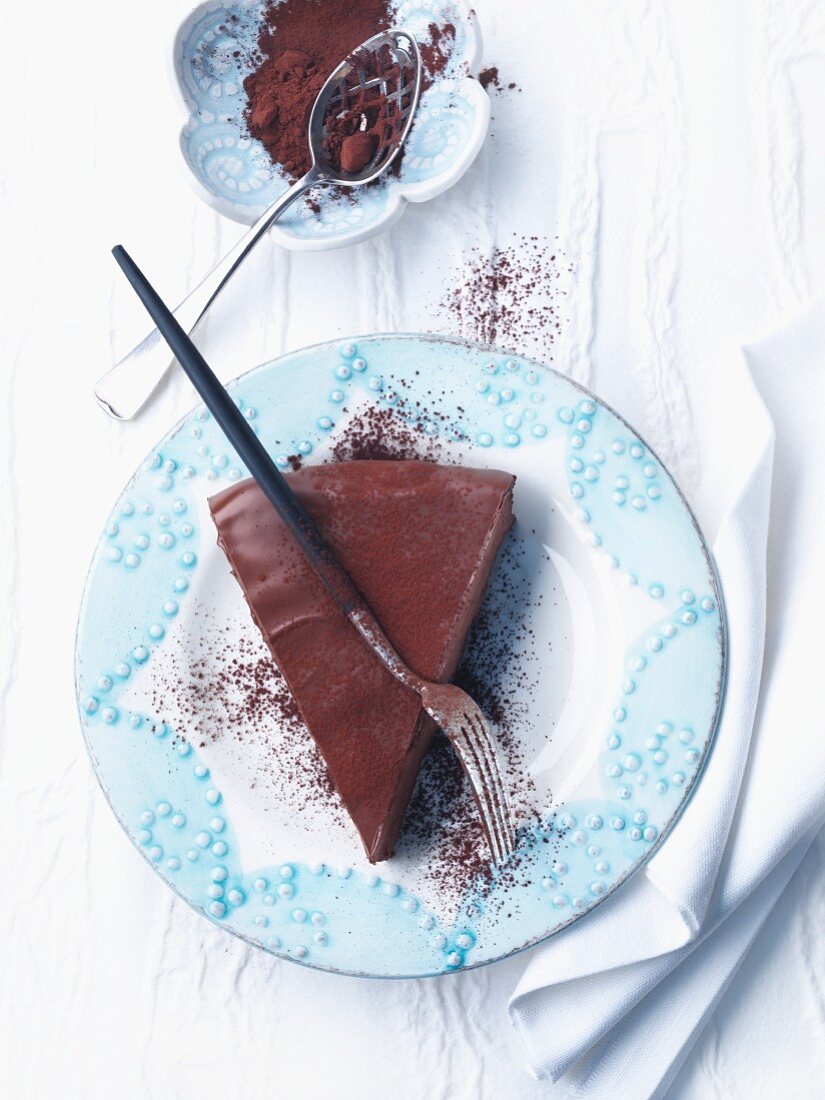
x=300, y=43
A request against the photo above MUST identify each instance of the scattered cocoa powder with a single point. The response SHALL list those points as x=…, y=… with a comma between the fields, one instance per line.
x=490, y=78
x=231, y=688
x=511, y=295
x=299, y=44
x=384, y=434
x=500, y=670
x=366, y=123
x=435, y=54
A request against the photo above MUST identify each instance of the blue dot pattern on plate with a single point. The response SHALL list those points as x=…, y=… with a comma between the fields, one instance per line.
x=651, y=742
x=234, y=169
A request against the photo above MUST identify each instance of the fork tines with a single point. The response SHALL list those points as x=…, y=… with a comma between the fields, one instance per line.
x=477, y=753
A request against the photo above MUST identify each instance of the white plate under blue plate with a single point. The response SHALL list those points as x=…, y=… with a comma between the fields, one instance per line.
x=613, y=656
x=233, y=172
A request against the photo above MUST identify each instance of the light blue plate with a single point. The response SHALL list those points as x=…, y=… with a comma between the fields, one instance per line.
x=604, y=612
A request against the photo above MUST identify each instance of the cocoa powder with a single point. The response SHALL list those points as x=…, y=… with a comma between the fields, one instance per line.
x=383, y=435
x=229, y=687
x=300, y=43
x=436, y=53
x=490, y=78
x=512, y=295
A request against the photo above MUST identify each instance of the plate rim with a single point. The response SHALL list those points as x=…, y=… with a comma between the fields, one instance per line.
x=716, y=585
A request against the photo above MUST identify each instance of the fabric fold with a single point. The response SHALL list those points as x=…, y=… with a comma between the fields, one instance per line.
x=586, y=994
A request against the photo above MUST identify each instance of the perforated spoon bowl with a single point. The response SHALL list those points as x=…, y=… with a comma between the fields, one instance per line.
x=128, y=385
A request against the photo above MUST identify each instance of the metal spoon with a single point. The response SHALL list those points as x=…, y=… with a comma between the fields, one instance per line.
x=128, y=385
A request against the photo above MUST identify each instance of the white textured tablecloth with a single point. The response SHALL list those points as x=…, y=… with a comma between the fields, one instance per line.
x=674, y=153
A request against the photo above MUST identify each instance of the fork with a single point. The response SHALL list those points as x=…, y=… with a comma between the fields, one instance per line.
x=451, y=708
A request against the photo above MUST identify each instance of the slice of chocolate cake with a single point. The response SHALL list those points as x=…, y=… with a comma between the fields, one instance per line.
x=419, y=540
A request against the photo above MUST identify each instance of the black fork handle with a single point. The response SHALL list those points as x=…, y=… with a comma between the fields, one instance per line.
x=249, y=447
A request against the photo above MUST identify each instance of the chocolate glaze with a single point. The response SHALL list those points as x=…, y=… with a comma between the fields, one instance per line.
x=419, y=540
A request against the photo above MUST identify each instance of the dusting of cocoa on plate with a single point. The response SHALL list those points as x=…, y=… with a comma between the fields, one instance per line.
x=228, y=687
x=512, y=295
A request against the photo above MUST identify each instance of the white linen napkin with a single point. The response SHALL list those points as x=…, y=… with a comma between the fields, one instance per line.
x=593, y=1008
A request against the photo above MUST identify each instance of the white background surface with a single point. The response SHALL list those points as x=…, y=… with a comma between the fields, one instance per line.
x=676, y=152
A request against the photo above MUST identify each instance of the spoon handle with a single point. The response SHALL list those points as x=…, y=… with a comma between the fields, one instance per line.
x=127, y=386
